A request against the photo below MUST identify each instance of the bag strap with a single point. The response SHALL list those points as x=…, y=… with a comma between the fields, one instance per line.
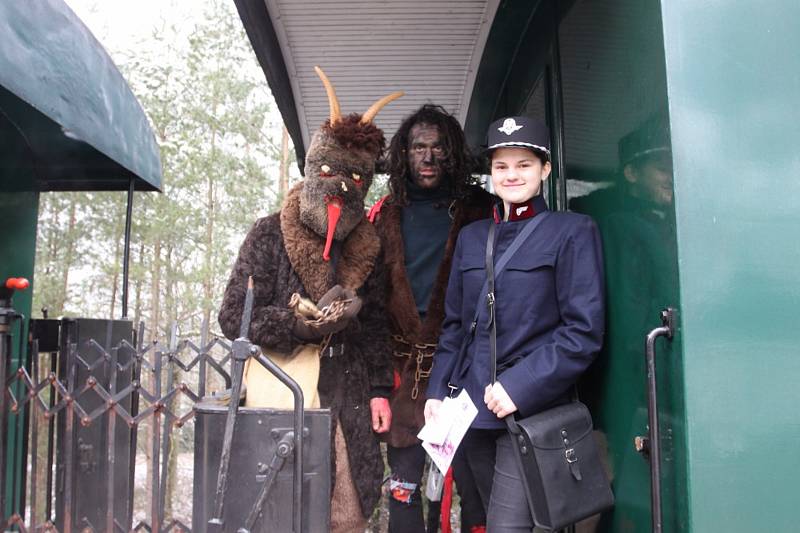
x=518, y=241
x=490, y=301
x=488, y=288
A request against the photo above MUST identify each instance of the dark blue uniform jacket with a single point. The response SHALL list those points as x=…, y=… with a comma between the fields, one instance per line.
x=550, y=312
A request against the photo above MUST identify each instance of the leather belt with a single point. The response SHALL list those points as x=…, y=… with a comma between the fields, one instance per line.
x=332, y=350
x=329, y=349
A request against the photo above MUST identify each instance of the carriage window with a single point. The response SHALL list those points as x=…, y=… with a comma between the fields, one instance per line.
x=536, y=106
x=613, y=82
x=618, y=170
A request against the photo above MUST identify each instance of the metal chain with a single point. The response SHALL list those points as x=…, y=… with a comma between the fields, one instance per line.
x=423, y=351
x=419, y=374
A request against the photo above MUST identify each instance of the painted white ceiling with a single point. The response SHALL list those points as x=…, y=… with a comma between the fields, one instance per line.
x=370, y=48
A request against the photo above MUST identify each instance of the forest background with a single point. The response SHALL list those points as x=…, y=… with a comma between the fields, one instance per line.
x=227, y=160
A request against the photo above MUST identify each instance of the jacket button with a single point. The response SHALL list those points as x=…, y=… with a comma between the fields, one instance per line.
x=355, y=407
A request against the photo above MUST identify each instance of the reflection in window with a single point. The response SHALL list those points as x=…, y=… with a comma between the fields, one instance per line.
x=612, y=81
x=536, y=107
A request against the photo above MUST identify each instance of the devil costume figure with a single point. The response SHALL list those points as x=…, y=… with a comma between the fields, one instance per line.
x=431, y=200
x=321, y=246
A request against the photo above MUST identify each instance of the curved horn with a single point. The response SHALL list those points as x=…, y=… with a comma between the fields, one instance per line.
x=370, y=113
x=333, y=102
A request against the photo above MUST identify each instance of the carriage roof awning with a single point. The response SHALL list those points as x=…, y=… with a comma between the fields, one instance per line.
x=429, y=49
x=67, y=116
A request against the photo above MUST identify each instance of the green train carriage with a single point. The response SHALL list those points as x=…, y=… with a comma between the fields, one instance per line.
x=710, y=89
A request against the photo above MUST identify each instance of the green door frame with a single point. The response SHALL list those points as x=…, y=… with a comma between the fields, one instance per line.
x=525, y=46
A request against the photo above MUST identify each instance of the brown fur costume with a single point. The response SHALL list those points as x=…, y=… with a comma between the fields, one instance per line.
x=407, y=413
x=319, y=239
x=333, y=148
x=284, y=256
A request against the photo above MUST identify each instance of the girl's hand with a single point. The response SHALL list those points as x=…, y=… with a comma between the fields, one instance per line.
x=432, y=409
x=498, y=401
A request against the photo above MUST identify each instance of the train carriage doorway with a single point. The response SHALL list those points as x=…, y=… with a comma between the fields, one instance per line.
x=595, y=72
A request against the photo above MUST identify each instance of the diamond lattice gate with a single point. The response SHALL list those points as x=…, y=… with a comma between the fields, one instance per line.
x=102, y=407
x=110, y=435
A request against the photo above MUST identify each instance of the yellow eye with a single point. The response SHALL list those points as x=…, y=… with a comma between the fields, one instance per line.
x=356, y=177
x=325, y=168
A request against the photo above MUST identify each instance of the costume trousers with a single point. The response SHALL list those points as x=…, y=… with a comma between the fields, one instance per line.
x=405, y=508
x=405, y=495
x=491, y=459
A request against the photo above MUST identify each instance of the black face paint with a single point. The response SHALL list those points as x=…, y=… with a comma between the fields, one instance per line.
x=426, y=156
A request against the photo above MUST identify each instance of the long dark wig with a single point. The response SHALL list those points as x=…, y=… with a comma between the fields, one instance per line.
x=457, y=167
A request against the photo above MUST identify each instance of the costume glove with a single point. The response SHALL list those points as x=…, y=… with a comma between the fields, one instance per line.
x=316, y=330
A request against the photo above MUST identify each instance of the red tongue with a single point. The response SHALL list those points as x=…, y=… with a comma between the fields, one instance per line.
x=334, y=210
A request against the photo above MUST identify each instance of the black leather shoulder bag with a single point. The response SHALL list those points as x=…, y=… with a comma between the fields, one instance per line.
x=557, y=454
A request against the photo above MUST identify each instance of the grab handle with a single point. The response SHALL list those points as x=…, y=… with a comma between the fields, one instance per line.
x=667, y=329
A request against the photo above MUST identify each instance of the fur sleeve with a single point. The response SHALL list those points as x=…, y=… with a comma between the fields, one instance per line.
x=270, y=325
x=374, y=334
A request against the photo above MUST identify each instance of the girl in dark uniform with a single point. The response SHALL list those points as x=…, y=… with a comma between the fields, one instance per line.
x=549, y=312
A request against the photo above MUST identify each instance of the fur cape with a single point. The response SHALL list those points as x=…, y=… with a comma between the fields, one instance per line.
x=284, y=257
x=407, y=413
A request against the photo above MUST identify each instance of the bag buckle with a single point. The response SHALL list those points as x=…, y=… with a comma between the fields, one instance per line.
x=572, y=463
x=569, y=454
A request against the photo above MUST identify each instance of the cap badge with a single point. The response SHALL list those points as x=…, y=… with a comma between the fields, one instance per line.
x=509, y=126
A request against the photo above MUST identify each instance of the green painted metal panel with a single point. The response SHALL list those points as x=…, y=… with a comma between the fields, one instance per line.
x=68, y=121
x=75, y=111
x=609, y=73
x=17, y=250
x=733, y=85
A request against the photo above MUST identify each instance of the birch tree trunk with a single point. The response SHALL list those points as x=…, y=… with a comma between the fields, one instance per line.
x=283, y=184
x=116, y=268
x=146, y=377
x=208, y=281
x=69, y=257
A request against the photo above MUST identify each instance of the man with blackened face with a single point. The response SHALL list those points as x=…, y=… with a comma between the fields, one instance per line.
x=426, y=156
x=432, y=198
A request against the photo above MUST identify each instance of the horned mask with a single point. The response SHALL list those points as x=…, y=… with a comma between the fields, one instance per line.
x=340, y=164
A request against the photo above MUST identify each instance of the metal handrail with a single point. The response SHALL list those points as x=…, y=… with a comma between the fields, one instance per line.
x=241, y=350
x=665, y=330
